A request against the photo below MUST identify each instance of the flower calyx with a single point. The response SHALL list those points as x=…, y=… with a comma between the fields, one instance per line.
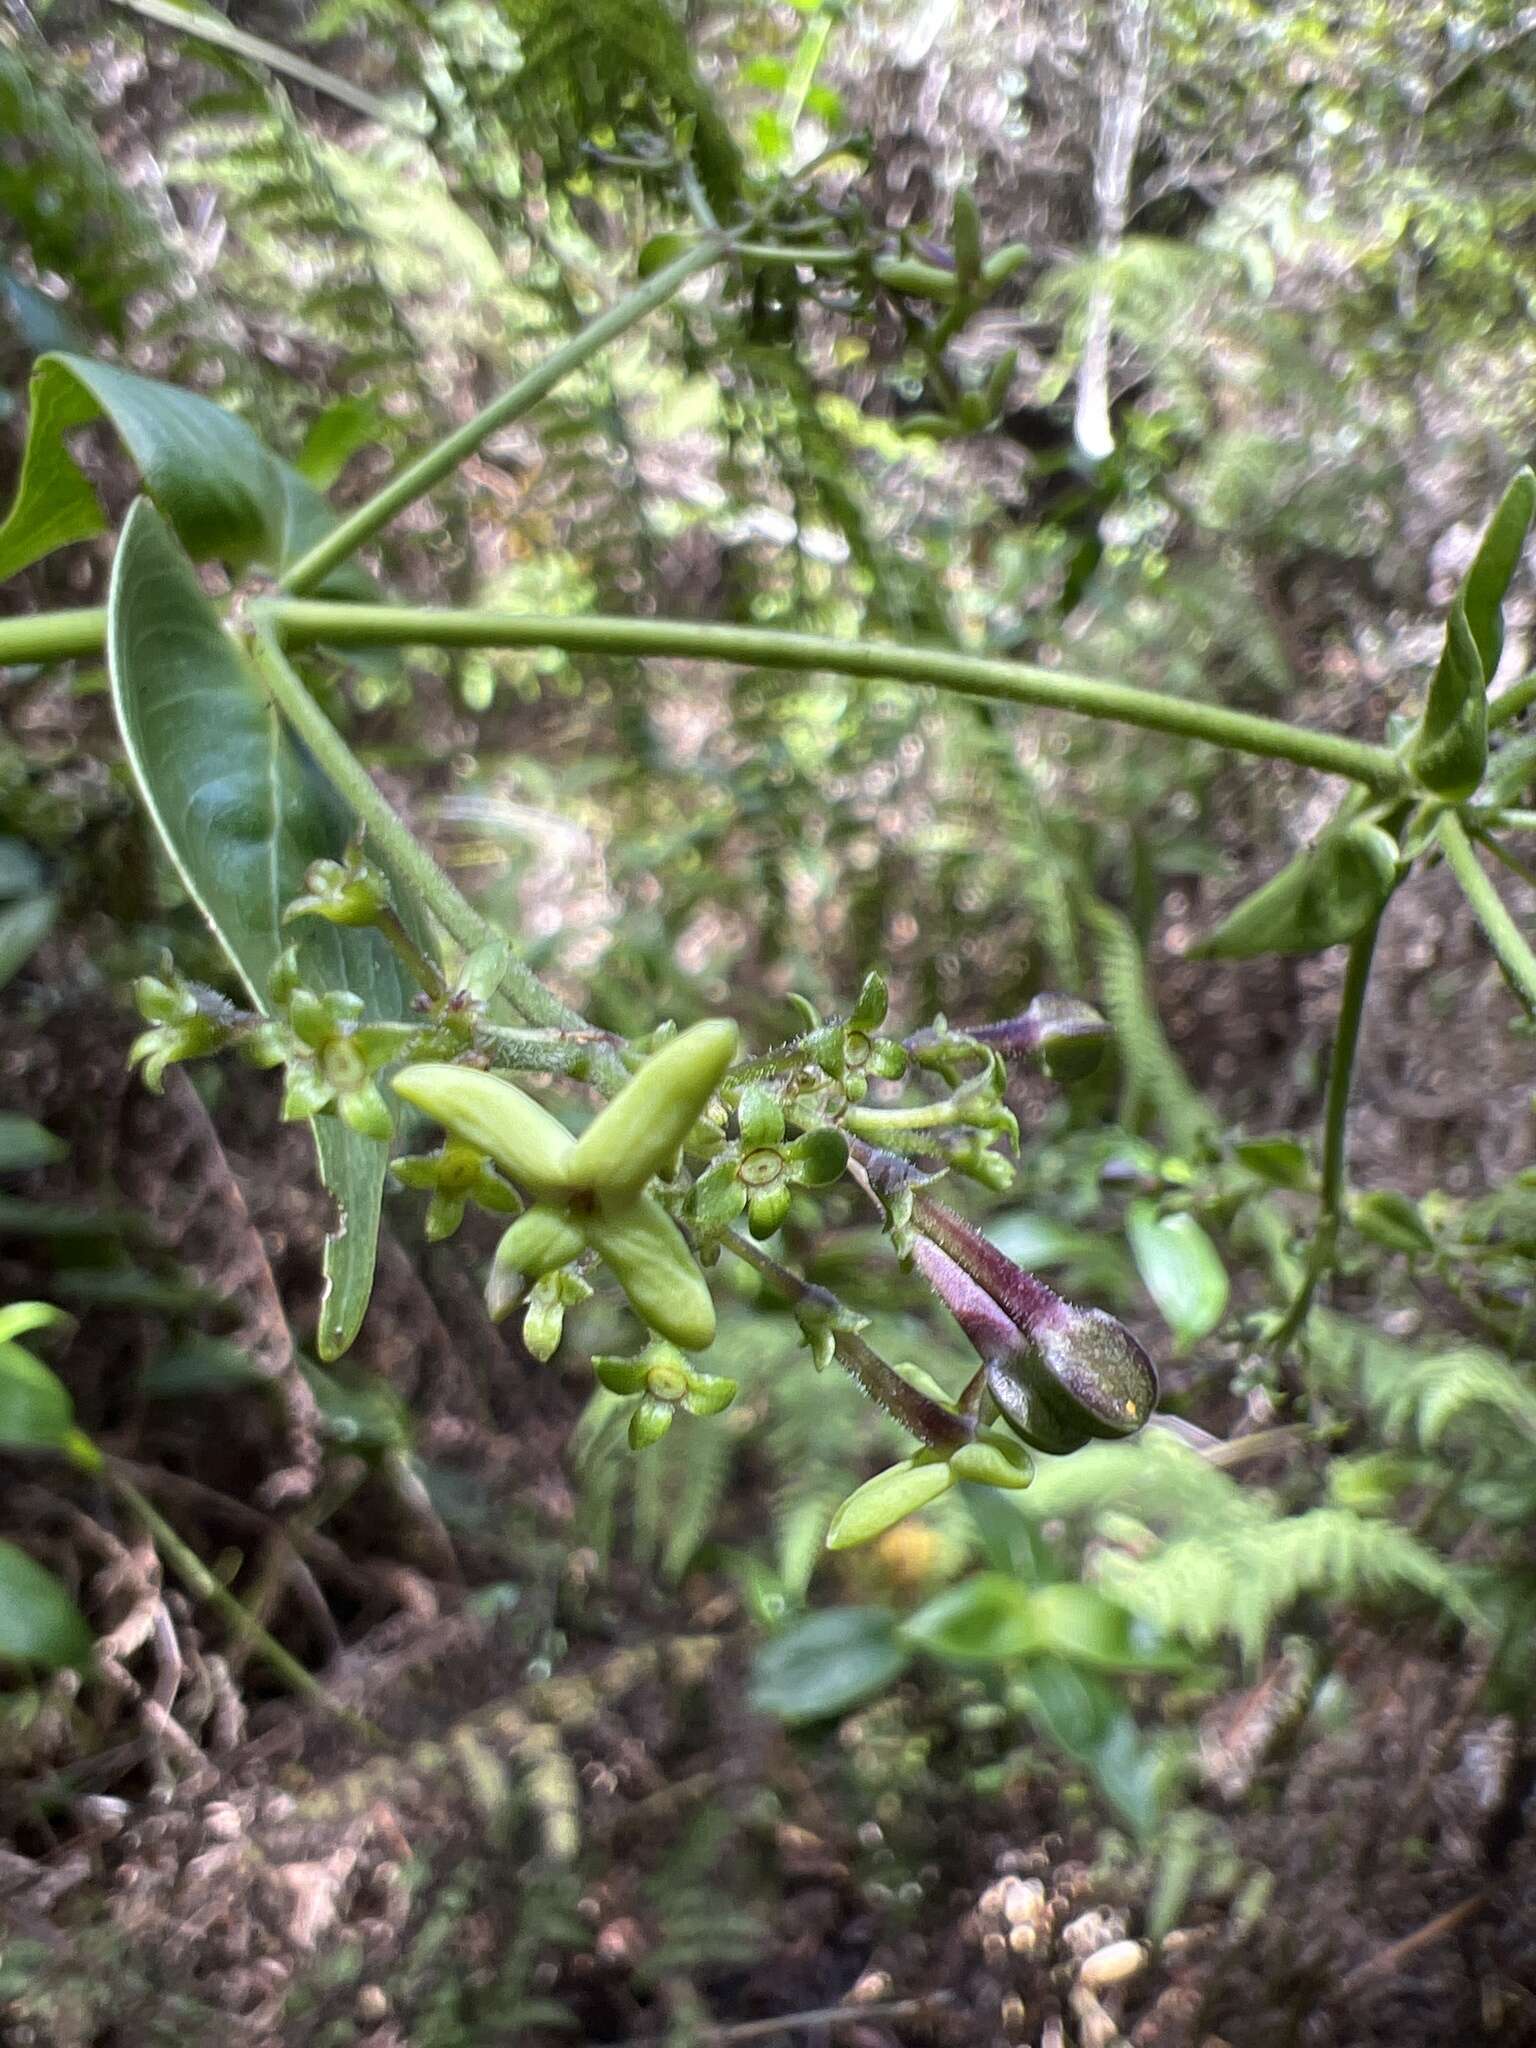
x=590, y=1193
x=334, y=1058
x=665, y=1382
x=186, y=1022
x=350, y=892
x=760, y=1171
x=854, y=1052
x=455, y=1175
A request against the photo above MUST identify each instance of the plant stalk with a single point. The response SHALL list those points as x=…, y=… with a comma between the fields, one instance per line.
x=396, y=843
x=429, y=470
x=361, y=625
x=903, y=1402
x=54, y=636
x=1341, y=1067
x=1504, y=935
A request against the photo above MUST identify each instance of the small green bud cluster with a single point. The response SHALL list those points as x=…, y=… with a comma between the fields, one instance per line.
x=760, y=1171
x=665, y=1382
x=334, y=1056
x=349, y=892
x=188, y=1022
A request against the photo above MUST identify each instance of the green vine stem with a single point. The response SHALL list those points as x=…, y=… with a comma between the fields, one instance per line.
x=199, y=1580
x=223, y=35
x=1504, y=935
x=423, y=475
x=80, y=634
x=396, y=843
x=1341, y=1067
x=54, y=636
x=363, y=625
x=903, y=1402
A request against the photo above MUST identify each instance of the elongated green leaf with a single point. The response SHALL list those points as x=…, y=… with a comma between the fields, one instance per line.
x=23, y=927
x=1324, y=897
x=39, y=1623
x=1182, y=1271
x=1450, y=750
x=242, y=812
x=1493, y=568
x=228, y=497
x=826, y=1663
x=25, y=1144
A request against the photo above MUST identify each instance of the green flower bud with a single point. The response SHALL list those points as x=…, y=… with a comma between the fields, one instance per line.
x=364, y=1110
x=649, y=1423
x=544, y=1322
x=641, y=1132
x=489, y=1112
x=991, y=1461
x=350, y=893
x=880, y=1503
x=540, y=1240
x=650, y=1259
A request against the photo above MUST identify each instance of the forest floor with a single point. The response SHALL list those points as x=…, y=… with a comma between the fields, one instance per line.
x=572, y=1817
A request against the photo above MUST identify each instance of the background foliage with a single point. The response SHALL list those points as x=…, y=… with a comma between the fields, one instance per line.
x=1307, y=315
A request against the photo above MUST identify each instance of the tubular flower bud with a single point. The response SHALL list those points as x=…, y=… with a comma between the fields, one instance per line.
x=1059, y=1375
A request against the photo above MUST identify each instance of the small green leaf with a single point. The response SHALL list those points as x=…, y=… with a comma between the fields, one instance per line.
x=1079, y=1623
x=39, y=1622
x=1279, y=1161
x=986, y=1617
x=22, y=1317
x=36, y=1413
x=828, y=1663
x=25, y=1144
x=23, y=928
x=1391, y=1219
x=659, y=251
x=880, y=1503
x=1181, y=1269
x=1324, y=897
x=242, y=813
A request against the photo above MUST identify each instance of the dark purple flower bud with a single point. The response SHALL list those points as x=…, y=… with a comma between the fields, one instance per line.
x=1065, y=1037
x=1059, y=1374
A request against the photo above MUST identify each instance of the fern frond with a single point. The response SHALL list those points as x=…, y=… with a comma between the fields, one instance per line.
x=1469, y=1386
x=1240, y=1583
x=1154, y=1085
x=62, y=202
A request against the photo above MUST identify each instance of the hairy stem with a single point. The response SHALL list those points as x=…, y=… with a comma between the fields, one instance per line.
x=396, y=843
x=429, y=470
x=905, y=1403
x=360, y=625
x=1341, y=1067
x=1504, y=935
